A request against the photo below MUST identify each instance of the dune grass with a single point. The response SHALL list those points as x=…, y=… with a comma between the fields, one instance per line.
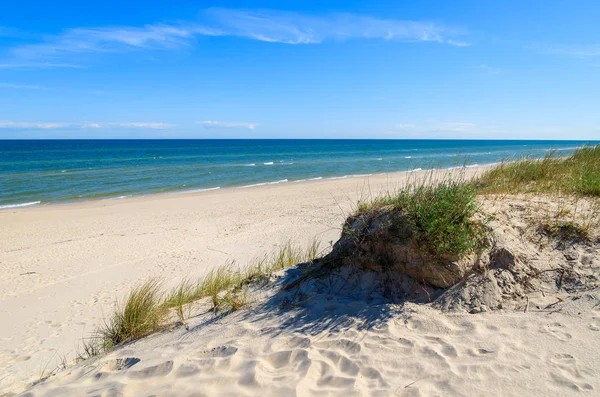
x=578, y=174
x=443, y=215
x=141, y=315
x=146, y=309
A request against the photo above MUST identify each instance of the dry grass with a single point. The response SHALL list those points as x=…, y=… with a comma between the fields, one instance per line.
x=146, y=308
x=572, y=218
x=141, y=315
x=578, y=174
x=180, y=297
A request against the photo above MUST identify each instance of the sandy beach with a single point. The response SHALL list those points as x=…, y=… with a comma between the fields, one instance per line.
x=62, y=266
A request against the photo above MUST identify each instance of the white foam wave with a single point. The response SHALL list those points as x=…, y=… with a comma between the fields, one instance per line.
x=249, y=165
x=339, y=177
x=256, y=184
x=418, y=169
x=309, y=179
x=379, y=159
x=269, y=163
x=204, y=190
x=408, y=157
x=264, y=183
x=2, y=207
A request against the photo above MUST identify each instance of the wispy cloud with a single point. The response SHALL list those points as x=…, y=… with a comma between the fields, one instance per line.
x=577, y=51
x=37, y=65
x=436, y=127
x=85, y=124
x=227, y=124
x=449, y=129
x=36, y=125
x=262, y=25
x=21, y=86
x=296, y=28
x=489, y=69
x=107, y=39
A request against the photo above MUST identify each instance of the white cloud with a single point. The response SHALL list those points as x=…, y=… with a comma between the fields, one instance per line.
x=156, y=126
x=489, y=69
x=262, y=25
x=36, y=125
x=296, y=28
x=37, y=65
x=105, y=39
x=578, y=51
x=227, y=124
x=23, y=86
x=436, y=127
x=85, y=124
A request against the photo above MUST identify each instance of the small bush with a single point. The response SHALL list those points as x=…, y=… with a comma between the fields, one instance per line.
x=442, y=215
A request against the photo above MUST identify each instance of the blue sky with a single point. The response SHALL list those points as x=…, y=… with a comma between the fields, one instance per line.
x=298, y=69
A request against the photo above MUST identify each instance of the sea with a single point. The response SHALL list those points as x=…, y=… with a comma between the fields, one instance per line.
x=41, y=172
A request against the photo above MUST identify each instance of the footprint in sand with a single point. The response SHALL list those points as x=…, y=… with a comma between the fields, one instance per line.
x=567, y=373
x=346, y=346
x=219, y=351
x=120, y=364
x=283, y=366
x=595, y=324
x=159, y=370
x=343, y=363
x=482, y=353
x=557, y=330
x=447, y=349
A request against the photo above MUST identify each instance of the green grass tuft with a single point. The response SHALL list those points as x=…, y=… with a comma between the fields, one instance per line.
x=442, y=215
x=180, y=297
x=141, y=315
x=578, y=174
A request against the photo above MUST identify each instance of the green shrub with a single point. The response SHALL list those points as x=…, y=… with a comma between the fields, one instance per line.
x=442, y=215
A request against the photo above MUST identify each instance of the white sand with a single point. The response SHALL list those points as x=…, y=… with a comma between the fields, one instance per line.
x=62, y=266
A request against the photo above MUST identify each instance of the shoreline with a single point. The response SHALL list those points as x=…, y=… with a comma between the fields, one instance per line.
x=41, y=204
x=62, y=266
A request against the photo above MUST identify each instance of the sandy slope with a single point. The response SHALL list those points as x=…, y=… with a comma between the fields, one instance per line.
x=342, y=346
x=62, y=266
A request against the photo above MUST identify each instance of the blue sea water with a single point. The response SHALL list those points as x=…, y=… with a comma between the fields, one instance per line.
x=48, y=171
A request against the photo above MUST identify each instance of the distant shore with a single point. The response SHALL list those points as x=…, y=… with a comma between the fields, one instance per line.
x=39, y=173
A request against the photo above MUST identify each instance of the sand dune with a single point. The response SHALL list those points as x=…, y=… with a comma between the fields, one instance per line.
x=62, y=266
x=346, y=347
x=58, y=281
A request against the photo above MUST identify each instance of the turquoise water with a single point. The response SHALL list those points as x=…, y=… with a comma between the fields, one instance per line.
x=47, y=171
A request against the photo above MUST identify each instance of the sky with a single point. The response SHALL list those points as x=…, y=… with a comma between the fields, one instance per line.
x=510, y=69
